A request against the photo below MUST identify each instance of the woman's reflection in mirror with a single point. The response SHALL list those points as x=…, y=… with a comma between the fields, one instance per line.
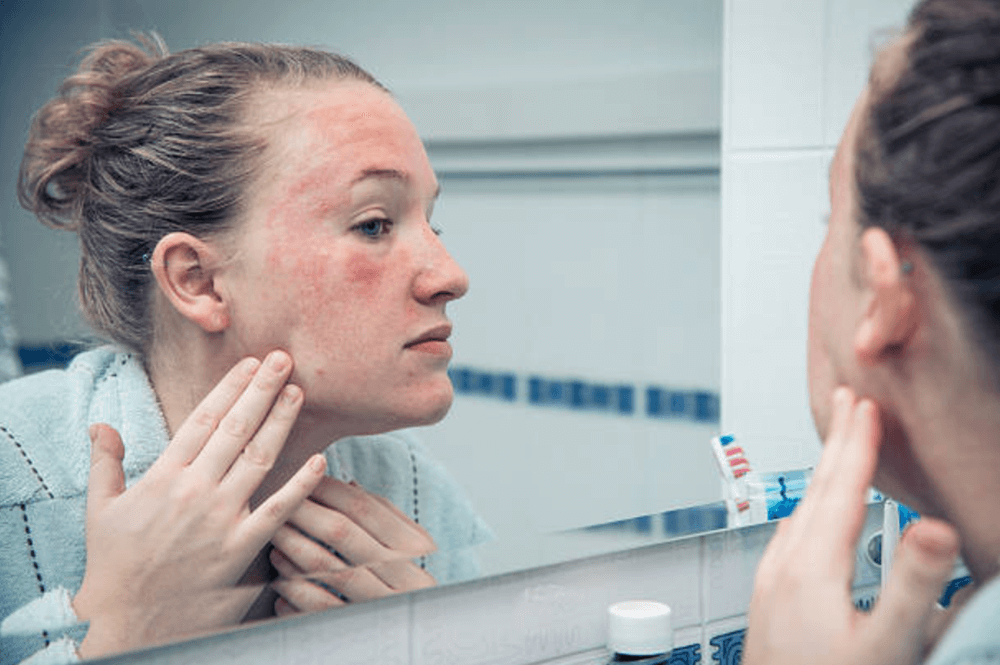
x=256, y=246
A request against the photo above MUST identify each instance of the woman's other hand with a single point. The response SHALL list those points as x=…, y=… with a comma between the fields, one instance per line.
x=375, y=544
x=802, y=610
x=163, y=556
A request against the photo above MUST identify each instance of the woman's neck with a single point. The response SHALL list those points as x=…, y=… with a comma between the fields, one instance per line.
x=947, y=461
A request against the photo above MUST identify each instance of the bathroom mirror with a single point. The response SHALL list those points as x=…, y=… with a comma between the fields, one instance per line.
x=577, y=147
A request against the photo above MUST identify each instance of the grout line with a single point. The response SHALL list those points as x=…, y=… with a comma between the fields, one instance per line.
x=703, y=598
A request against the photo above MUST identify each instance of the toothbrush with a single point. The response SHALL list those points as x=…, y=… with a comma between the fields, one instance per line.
x=733, y=465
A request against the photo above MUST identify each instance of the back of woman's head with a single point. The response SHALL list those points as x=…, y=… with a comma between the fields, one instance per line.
x=928, y=167
x=140, y=143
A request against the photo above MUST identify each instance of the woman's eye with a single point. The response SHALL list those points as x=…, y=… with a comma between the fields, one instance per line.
x=374, y=227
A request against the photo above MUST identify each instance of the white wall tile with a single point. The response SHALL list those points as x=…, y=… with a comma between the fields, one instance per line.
x=375, y=632
x=773, y=74
x=773, y=207
x=528, y=617
x=372, y=633
x=855, y=29
x=730, y=563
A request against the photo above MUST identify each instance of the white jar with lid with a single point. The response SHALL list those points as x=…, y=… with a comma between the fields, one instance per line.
x=640, y=631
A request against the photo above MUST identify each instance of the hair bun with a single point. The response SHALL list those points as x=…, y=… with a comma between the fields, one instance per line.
x=53, y=169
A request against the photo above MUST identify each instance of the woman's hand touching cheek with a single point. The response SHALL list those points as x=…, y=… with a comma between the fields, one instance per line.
x=801, y=610
x=163, y=556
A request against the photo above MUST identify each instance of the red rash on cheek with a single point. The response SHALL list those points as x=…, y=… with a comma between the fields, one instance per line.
x=361, y=270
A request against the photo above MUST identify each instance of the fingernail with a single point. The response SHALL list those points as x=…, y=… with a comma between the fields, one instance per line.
x=290, y=395
x=277, y=360
x=317, y=463
x=92, y=431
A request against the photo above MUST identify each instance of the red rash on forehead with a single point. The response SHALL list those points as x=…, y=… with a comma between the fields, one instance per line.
x=329, y=147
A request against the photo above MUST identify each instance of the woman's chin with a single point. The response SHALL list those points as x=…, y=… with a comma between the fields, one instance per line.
x=427, y=408
x=431, y=410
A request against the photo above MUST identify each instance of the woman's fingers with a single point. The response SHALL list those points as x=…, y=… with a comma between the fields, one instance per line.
x=828, y=522
x=294, y=553
x=239, y=425
x=283, y=564
x=402, y=575
x=283, y=608
x=267, y=518
x=359, y=524
x=340, y=533
x=355, y=583
x=196, y=429
x=260, y=454
x=921, y=566
x=842, y=506
x=107, y=478
x=402, y=517
x=302, y=595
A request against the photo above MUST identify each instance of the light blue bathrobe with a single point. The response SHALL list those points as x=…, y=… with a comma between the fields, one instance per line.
x=45, y=461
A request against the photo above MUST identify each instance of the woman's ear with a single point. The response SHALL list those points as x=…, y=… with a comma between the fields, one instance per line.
x=890, y=315
x=185, y=269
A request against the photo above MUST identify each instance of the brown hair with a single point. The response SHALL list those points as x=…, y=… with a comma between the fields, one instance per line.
x=139, y=143
x=928, y=167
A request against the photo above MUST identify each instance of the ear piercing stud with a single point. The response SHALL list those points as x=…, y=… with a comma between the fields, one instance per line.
x=906, y=268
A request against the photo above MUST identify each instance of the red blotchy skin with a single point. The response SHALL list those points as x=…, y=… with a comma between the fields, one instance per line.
x=343, y=303
x=360, y=269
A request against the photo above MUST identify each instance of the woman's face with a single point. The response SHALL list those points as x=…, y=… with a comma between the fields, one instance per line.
x=337, y=261
x=834, y=295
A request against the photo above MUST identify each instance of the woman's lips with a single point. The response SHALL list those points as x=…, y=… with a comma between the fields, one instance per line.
x=434, y=341
x=437, y=347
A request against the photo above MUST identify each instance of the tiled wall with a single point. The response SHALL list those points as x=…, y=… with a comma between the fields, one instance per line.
x=792, y=70
x=554, y=614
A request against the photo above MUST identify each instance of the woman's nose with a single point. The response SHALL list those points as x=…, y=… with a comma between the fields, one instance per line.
x=441, y=279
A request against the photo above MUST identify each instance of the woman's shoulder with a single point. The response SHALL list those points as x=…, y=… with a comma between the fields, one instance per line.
x=43, y=439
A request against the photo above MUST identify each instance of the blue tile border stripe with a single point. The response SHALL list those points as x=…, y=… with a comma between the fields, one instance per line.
x=575, y=394
x=469, y=381
x=728, y=647
x=689, y=654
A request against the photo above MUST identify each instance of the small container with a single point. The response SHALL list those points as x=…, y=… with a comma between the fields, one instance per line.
x=640, y=631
